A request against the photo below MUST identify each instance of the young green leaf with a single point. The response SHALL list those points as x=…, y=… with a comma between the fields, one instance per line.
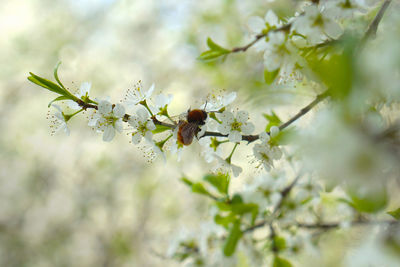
x=56, y=75
x=233, y=238
x=63, y=97
x=395, y=214
x=273, y=120
x=220, y=182
x=210, y=55
x=187, y=181
x=160, y=129
x=281, y=262
x=269, y=76
x=200, y=189
x=48, y=85
x=213, y=46
x=243, y=208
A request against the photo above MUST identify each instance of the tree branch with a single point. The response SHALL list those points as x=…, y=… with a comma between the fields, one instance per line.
x=373, y=27
x=259, y=37
x=304, y=110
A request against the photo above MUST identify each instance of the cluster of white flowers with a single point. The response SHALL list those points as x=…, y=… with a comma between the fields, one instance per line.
x=108, y=119
x=315, y=24
x=266, y=153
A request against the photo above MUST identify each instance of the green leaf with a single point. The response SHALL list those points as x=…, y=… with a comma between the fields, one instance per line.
x=224, y=220
x=220, y=182
x=187, y=181
x=200, y=189
x=214, y=52
x=210, y=55
x=48, y=85
x=273, y=120
x=281, y=262
x=335, y=67
x=63, y=97
x=223, y=206
x=243, y=208
x=269, y=76
x=395, y=214
x=56, y=75
x=160, y=129
x=233, y=238
x=279, y=243
x=373, y=200
x=213, y=46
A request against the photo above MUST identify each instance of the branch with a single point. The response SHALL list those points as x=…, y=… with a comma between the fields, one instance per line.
x=248, y=138
x=373, y=27
x=285, y=192
x=259, y=37
x=328, y=226
x=304, y=110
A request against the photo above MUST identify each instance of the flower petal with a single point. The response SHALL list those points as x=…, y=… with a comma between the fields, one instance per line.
x=109, y=133
x=105, y=107
x=119, y=110
x=242, y=116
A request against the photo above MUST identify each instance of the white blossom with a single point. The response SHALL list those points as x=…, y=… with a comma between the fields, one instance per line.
x=266, y=153
x=225, y=166
x=84, y=91
x=209, y=148
x=258, y=25
x=107, y=119
x=142, y=125
x=316, y=24
x=217, y=102
x=343, y=8
x=161, y=101
x=233, y=126
x=138, y=94
x=58, y=121
x=274, y=131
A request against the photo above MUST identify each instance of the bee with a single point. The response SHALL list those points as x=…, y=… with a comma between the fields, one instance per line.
x=190, y=127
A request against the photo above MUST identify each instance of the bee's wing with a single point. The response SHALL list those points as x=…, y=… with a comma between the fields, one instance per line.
x=176, y=119
x=187, y=132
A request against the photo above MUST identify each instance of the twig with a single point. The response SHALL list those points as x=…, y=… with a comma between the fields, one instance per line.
x=259, y=37
x=304, y=110
x=285, y=192
x=327, y=226
x=373, y=27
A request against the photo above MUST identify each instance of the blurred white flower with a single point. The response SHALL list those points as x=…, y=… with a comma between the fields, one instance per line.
x=143, y=126
x=107, y=119
x=343, y=8
x=234, y=127
x=224, y=166
x=84, y=91
x=160, y=102
x=58, y=121
x=316, y=24
x=138, y=94
x=217, y=102
x=209, y=148
x=264, y=152
x=274, y=131
x=258, y=25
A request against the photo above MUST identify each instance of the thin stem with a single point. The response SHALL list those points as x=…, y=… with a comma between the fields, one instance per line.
x=373, y=27
x=304, y=110
x=259, y=37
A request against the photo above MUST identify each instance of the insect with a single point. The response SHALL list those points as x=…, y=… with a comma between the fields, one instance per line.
x=190, y=127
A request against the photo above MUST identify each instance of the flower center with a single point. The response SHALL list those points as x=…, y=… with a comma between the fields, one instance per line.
x=236, y=126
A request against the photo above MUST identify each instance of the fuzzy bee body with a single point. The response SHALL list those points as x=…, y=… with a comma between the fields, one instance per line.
x=190, y=127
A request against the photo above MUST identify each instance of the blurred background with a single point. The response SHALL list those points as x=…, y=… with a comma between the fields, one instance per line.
x=76, y=200
x=79, y=201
